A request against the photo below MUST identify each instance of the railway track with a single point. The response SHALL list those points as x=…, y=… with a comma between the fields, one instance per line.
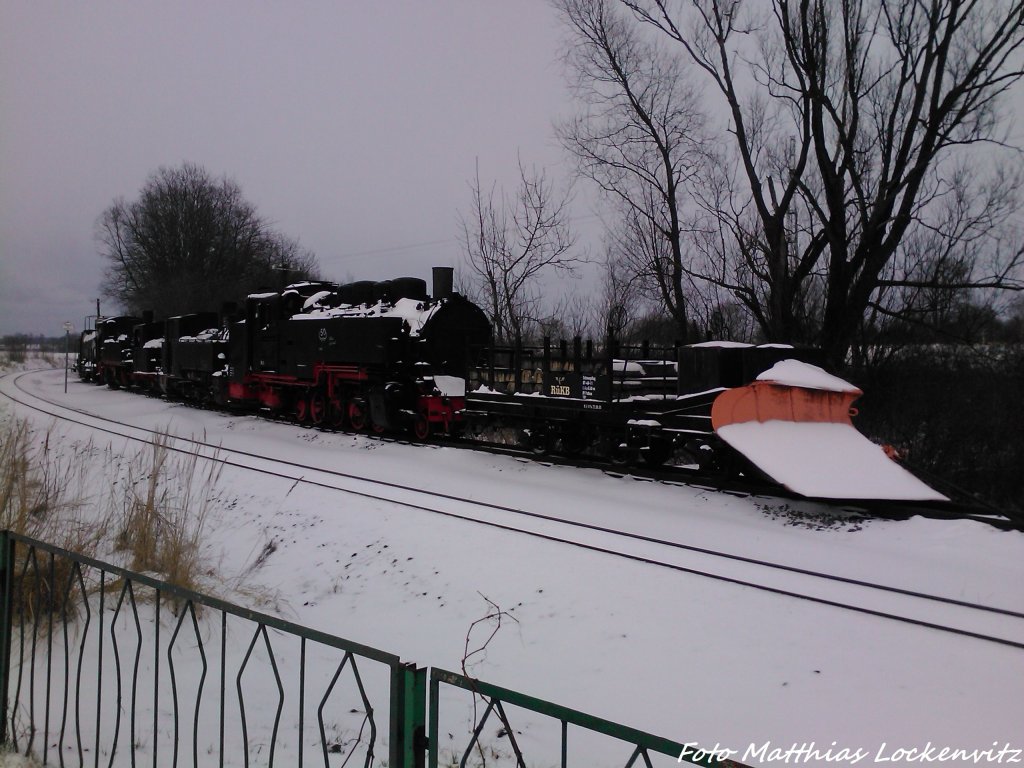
x=989, y=623
x=743, y=486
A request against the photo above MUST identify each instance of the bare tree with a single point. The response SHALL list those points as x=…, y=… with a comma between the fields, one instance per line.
x=849, y=121
x=511, y=243
x=621, y=301
x=640, y=138
x=189, y=243
x=573, y=315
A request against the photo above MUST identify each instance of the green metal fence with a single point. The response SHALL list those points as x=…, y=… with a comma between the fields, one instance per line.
x=103, y=666
x=628, y=746
x=98, y=671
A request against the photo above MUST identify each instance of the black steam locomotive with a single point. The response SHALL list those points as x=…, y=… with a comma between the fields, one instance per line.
x=379, y=355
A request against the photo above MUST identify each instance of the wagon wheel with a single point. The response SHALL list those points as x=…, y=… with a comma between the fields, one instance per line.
x=573, y=441
x=421, y=427
x=317, y=408
x=657, y=452
x=540, y=440
x=357, y=415
x=302, y=410
x=621, y=455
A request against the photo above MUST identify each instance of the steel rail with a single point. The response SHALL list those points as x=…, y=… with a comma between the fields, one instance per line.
x=823, y=576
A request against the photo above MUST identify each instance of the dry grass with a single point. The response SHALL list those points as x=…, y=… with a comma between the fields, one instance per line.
x=43, y=491
x=42, y=494
x=152, y=509
x=165, y=510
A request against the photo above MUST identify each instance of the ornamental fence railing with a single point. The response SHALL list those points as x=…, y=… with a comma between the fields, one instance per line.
x=102, y=666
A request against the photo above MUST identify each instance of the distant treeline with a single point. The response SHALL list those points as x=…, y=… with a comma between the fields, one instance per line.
x=24, y=342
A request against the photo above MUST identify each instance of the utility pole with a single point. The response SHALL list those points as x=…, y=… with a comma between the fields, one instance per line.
x=67, y=346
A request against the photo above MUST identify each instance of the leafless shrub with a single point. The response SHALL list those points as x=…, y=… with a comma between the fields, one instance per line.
x=475, y=647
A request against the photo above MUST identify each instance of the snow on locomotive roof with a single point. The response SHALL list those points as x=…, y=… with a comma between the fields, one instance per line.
x=415, y=313
x=209, y=333
x=312, y=302
x=793, y=373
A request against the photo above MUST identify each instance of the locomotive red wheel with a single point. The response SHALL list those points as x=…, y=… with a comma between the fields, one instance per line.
x=378, y=428
x=356, y=416
x=317, y=408
x=421, y=427
x=336, y=414
x=302, y=410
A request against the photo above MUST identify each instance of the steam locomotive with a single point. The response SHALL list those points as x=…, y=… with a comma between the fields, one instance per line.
x=388, y=356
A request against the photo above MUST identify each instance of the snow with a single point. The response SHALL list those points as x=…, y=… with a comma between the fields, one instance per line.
x=644, y=423
x=721, y=345
x=824, y=460
x=677, y=654
x=315, y=299
x=627, y=366
x=450, y=386
x=414, y=313
x=794, y=373
x=154, y=344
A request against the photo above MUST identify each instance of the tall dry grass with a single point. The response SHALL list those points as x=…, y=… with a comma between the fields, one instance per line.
x=44, y=492
x=164, y=514
x=150, y=509
x=43, y=495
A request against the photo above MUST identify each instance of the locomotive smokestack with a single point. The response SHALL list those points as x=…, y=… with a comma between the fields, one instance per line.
x=444, y=278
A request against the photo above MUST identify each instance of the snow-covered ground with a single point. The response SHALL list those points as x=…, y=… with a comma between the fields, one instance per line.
x=680, y=655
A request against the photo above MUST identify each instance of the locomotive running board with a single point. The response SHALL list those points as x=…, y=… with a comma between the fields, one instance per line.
x=794, y=425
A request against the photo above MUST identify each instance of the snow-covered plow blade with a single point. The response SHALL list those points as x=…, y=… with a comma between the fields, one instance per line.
x=794, y=425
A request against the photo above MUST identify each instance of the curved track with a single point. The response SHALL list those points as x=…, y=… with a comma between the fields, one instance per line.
x=971, y=619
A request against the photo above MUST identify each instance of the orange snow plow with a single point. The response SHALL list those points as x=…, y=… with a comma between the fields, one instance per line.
x=794, y=424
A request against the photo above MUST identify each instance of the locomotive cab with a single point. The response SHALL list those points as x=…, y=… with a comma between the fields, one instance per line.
x=114, y=350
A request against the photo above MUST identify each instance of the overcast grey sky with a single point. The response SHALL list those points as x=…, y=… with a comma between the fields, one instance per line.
x=353, y=126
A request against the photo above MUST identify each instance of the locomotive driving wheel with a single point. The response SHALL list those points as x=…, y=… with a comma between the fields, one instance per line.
x=357, y=415
x=421, y=427
x=302, y=410
x=317, y=408
x=336, y=414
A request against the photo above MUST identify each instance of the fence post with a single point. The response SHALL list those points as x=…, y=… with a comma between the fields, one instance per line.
x=6, y=622
x=408, y=722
